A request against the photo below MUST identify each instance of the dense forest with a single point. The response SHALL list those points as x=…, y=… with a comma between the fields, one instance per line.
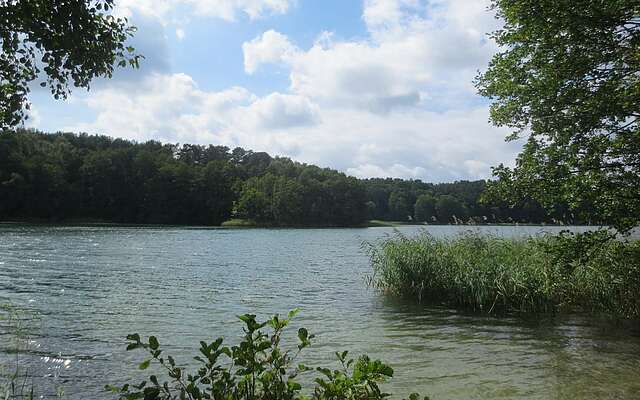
x=80, y=177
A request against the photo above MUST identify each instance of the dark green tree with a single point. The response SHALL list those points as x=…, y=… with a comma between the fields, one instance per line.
x=399, y=206
x=449, y=209
x=568, y=78
x=63, y=43
x=425, y=208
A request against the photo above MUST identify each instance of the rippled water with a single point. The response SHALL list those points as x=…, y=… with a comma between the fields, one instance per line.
x=91, y=286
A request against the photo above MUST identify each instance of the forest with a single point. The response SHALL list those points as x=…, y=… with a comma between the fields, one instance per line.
x=67, y=177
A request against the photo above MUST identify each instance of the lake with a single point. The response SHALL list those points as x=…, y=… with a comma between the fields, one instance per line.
x=91, y=286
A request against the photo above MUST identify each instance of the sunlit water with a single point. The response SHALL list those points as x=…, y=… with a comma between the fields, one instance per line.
x=91, y=286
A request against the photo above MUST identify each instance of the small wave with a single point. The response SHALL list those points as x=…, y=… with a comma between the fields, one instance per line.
x=58, y=362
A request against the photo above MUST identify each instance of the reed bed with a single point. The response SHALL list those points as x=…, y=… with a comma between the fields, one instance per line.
x=490, y=274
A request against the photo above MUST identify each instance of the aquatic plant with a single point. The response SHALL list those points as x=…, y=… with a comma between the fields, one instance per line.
x=593, y=272
x=18, y=326
x=258, y=368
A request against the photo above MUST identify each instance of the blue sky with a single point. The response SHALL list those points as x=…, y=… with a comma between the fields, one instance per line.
x=370, y=87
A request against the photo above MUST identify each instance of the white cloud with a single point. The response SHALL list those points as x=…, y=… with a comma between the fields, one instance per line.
x=398, y=103
x=270, y=47
x=225, y=9
x=33, y=118
x=410, y=144
x=163, y=107
x=281, y=111
x=180, y=34
x=386, y=14
x=418, y=53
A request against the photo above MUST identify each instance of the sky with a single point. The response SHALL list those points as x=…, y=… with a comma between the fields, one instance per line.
x=374, y=88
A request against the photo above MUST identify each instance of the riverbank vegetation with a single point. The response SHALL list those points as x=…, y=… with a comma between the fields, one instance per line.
x=260, y=367
x=567, y=80
x=568, y=272
x=68, y=177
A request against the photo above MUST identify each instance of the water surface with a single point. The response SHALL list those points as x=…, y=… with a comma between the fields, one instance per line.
x=91, y=286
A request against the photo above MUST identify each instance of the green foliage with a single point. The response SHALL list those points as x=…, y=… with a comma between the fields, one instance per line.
x=425, y=208
x=396, y=199
x=65, y=42
x=593, y=272
x=258, y=368
x=291, y=194
x=568, y=78
x=399, y=206
x=68, y=177
x=449, y=209
x=65, y=177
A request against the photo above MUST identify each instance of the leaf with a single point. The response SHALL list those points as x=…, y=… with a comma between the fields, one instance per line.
x=153, y=343
x=144, y=364
x=134, y=337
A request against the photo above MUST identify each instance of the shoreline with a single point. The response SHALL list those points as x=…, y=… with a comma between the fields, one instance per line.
x=244, y=224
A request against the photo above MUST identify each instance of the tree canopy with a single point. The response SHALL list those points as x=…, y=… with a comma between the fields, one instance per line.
x=58, y=43
x=70, y=177
x=568, y=79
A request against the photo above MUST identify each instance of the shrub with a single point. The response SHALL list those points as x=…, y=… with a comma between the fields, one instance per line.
x=258, y=368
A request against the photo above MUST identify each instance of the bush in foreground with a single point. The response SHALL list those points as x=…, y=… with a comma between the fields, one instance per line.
x=591, y=272
x=258, y=368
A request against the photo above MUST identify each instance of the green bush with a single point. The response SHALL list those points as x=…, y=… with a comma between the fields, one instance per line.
x=592, y=272
x=258, y=368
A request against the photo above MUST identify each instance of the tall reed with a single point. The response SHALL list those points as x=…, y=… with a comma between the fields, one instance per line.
x=490, y=274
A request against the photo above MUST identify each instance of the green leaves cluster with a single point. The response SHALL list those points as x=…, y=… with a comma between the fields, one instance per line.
x=59, y=43
x=568, y=79
x=291, y=194
x=258, y=368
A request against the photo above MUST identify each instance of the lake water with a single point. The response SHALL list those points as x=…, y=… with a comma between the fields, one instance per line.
x=91, y=286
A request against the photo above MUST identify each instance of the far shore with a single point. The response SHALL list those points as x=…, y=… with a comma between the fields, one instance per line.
x=238, y=223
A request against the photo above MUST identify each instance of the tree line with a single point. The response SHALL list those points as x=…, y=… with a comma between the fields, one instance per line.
x=80, y=177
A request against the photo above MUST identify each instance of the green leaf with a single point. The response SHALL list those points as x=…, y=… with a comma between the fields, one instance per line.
x=144, y=364
x=134, y=337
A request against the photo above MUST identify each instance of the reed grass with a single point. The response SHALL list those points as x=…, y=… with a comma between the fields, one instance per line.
x=592, y=272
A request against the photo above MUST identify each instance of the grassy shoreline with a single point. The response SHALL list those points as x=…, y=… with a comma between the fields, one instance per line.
x=531, y=275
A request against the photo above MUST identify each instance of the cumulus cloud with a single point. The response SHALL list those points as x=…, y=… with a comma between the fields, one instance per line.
x=270, y=47
x=168, y=107
x=398, y=103
x=281, y=111
x=412, y=144
x=418, y=53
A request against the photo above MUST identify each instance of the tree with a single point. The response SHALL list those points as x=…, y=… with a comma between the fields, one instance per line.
x=425, y=208
x=71, y=42
x=254, y=204
x=569, y=79
x=286, y=204
x=399, y=206
x=449, y=209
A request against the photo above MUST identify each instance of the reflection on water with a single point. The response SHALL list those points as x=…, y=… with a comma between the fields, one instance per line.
x=91, y=286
